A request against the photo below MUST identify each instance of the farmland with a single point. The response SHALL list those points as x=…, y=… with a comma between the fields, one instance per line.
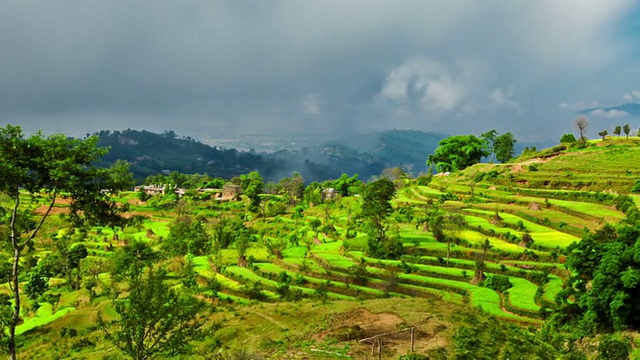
x=304, y=269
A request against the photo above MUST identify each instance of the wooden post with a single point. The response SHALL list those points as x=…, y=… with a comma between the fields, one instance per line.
x=373, y=348
x=379, y=348
x=413, y=337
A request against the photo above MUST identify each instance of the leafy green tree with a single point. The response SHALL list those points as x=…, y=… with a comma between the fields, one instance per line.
x=62, y=167
x=154, y=319
x=627, y=129
x=376, y=208
x=606, y=284
x=252, y=186
x=458, y=152
x=346, y=185
x=76, y=253
x=187, y=235
x=313, y=194
x=131, y=259
x=37, y=284
x=504, y=147
x=292, y=188
x=568, y=138
x=617, y=130
x=604, y=134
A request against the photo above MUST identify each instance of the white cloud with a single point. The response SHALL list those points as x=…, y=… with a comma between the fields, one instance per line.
x=611, y=114
x=311, y=104
x=632, y=96
x=423, y=83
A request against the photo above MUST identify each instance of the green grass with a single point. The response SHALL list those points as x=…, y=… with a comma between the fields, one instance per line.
x=43, y=316
x=522, y=294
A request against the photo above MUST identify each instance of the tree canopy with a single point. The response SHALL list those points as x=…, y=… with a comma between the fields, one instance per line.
x=606, y=284
x=458, y=152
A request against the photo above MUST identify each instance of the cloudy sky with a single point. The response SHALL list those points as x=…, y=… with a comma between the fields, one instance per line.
x=209, y=68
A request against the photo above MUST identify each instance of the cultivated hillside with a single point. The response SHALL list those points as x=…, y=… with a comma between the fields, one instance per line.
x=467, y=258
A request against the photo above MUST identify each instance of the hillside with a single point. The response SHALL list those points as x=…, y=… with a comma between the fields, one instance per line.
x=483, y=256
x=367, y=155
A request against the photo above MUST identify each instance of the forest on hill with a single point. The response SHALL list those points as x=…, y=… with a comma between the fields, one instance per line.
x=150, y=153
x=533, y=257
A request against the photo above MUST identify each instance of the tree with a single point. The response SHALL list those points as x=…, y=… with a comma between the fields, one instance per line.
x=603, y=133
x=187, y=235
x=252, y=186
x=62, y=167
x=605, y=286
x=617, y=130
x=581, y=124
x=458, y=152
x=504, y=147
x=154, y=319
x=490, y=138
x=627, y=129
x=292, y=188
x=568, y=138
x=376, y=207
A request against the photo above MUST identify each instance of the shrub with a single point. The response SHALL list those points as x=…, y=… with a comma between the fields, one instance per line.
x=636, y=187
x=568, y=138
x=498, y=283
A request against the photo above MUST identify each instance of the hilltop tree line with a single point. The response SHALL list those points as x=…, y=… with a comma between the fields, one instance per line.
x=461, y=151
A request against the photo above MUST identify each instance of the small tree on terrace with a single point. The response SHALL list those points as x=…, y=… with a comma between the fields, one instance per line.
x=617, y=130
x=376, y=207
x=604, y=134
x=61, y=167
x=581, y=124
x=627, y=129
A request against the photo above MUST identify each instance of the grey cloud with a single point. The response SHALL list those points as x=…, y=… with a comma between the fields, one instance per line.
x=203, y=67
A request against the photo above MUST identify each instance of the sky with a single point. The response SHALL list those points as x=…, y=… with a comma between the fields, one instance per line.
x=214, y=68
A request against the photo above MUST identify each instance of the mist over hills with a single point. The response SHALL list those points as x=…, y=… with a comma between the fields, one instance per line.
x=368, y=154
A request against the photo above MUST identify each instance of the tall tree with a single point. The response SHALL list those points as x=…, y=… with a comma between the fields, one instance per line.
x=376, y=207
x=490, y=137
x=61, y=167
x=504, y=147
x=458, y=152
x=627, y=129
x=581, y=124
x=252, y=186
x=292, y=188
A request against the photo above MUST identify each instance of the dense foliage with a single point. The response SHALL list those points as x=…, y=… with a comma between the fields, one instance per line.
x=458, y=152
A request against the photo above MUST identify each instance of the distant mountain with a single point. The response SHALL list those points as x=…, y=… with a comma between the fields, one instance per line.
x=406, y=148
x=368, y=154
x=632, y=109
x=150, y=153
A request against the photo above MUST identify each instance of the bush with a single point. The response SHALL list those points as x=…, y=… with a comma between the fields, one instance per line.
x=498, y=283
x=636, y=187
x=613, y=348
x=568, y=138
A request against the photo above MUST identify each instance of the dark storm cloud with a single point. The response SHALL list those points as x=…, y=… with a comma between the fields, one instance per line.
x=204, y=67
